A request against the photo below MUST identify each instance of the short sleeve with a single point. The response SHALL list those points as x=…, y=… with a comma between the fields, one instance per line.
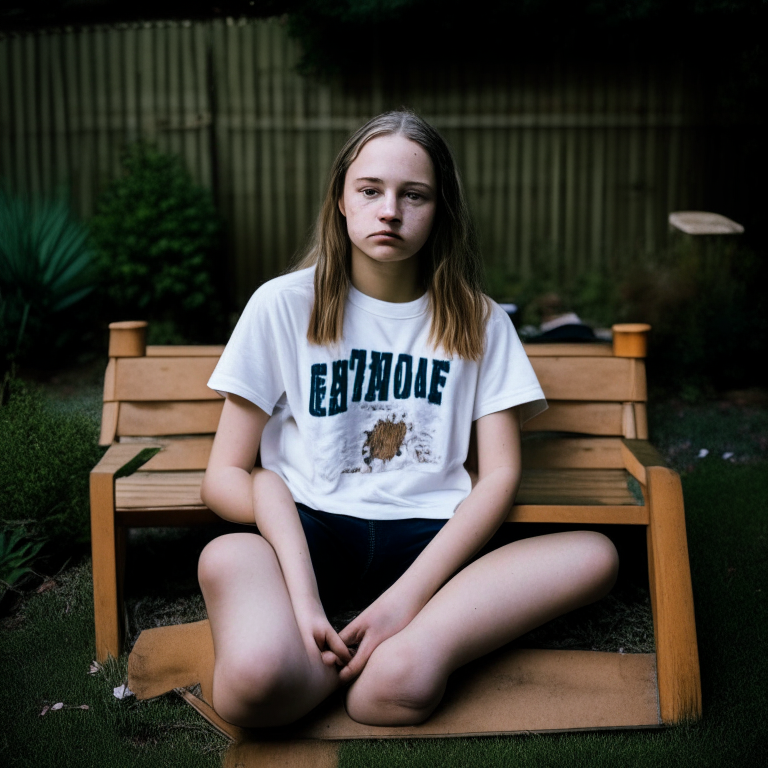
x=506, y=377
x=250, y=364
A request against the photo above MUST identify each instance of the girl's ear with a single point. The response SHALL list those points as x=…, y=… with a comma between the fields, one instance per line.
x=341, y=207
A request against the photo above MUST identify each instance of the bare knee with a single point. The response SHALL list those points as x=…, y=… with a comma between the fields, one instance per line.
x=400, y=685
x=256, y=691
x=599, y=563
x=217, y=559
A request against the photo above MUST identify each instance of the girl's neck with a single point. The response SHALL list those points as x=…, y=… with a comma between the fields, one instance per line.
x=396, y=282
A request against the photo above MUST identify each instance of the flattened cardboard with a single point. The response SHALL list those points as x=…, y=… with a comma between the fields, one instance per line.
x=177, y=656
x=283, y=754
x=513, y=690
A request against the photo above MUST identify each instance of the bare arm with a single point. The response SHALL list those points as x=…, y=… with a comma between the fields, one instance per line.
x=474, y=522
x=237, y=491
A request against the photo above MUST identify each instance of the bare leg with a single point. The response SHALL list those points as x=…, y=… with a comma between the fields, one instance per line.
x=264, y=674
x=491, y=602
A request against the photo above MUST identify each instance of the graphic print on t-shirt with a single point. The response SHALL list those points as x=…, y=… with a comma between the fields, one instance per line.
x=384, y=428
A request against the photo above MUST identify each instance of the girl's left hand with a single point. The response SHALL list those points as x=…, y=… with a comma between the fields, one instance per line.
x=382, y=619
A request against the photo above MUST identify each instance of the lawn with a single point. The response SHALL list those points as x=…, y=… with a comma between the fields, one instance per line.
x=46, y=635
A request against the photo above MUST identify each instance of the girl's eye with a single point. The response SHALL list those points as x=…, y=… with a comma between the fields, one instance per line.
x=413, y=195
x=368, y=192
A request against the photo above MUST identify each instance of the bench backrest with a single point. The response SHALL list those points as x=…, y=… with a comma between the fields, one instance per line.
x=155, y=392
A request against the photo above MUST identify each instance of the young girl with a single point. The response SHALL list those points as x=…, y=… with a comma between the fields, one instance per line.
x=360, y=375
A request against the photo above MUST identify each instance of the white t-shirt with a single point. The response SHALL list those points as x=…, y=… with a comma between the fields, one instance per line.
x=376, y=426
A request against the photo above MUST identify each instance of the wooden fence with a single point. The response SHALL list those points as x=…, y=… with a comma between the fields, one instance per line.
x=568, y=168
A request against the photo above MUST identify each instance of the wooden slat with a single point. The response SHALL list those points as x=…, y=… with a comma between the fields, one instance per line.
x=597, y=349
x=196, y=418
x=611, y=379
x=586, y=418
x=583, y=515
x=575, y=487
x=164, y=378
x=109, y=417
x=212, y=350
x=155, y=490
x=181, y=454
x=573, y=453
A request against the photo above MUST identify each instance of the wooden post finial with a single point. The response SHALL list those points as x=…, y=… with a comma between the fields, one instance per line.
x=128, y=338
x=630, y=339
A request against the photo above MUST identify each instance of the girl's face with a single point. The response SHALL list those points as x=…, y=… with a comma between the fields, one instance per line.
x=389, y=200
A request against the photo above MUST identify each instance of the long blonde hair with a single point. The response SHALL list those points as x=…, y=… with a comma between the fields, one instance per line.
x=450, y=266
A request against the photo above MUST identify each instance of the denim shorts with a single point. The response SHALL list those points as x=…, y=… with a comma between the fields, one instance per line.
x=356, y=560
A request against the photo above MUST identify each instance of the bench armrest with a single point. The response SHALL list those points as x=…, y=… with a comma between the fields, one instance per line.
x=116, y=461
x=639, y=454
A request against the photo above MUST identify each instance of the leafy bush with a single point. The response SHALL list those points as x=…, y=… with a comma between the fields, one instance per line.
x=46, y=266
x=156, y=234
x=46, y=458
x=16, y=556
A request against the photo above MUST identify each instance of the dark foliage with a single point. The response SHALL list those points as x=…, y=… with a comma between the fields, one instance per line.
x=45, y=459
x=157, y=238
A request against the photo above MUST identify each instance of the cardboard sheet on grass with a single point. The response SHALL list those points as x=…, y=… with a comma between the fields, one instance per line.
x=510, y=691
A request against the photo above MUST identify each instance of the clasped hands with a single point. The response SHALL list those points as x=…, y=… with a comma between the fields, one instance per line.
x=351, y=648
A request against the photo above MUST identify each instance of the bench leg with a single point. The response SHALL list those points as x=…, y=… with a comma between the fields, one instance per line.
x=106, y=556
x=677, y=655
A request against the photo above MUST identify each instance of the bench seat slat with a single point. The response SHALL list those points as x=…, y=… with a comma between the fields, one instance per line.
x=583, y=487
x=159, y=489
x=612, y=514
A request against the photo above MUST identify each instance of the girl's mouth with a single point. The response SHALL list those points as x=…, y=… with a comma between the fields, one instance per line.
x=387, y=234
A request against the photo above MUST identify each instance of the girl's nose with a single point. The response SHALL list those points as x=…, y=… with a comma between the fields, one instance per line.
x=389, y=207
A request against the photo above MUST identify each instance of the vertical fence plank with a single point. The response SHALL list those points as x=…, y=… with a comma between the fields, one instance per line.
x=567, y=169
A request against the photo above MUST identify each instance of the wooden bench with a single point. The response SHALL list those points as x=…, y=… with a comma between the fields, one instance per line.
x=586, y=460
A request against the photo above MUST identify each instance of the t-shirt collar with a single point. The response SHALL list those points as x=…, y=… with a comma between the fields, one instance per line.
x=388, y=308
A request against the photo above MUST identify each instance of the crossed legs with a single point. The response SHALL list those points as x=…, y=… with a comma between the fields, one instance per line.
x=265, y=675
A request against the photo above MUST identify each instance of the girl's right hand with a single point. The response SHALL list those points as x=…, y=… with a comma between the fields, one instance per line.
x=319, y=635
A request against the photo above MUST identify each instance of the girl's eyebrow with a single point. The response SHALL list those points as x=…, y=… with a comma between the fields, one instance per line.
x=406, y=184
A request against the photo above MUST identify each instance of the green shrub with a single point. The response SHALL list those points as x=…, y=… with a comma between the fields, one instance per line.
x=16, y=556
x=46, y=267
x=156, y=234
x=45, y=458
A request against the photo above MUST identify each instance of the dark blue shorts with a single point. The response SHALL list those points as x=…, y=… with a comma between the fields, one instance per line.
x=356, y=560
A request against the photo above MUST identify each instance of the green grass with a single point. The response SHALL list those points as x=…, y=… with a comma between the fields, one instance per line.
x=46, y=641
x=46, y=649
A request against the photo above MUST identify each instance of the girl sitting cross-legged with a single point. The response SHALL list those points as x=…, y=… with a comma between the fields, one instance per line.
x=360, y=375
